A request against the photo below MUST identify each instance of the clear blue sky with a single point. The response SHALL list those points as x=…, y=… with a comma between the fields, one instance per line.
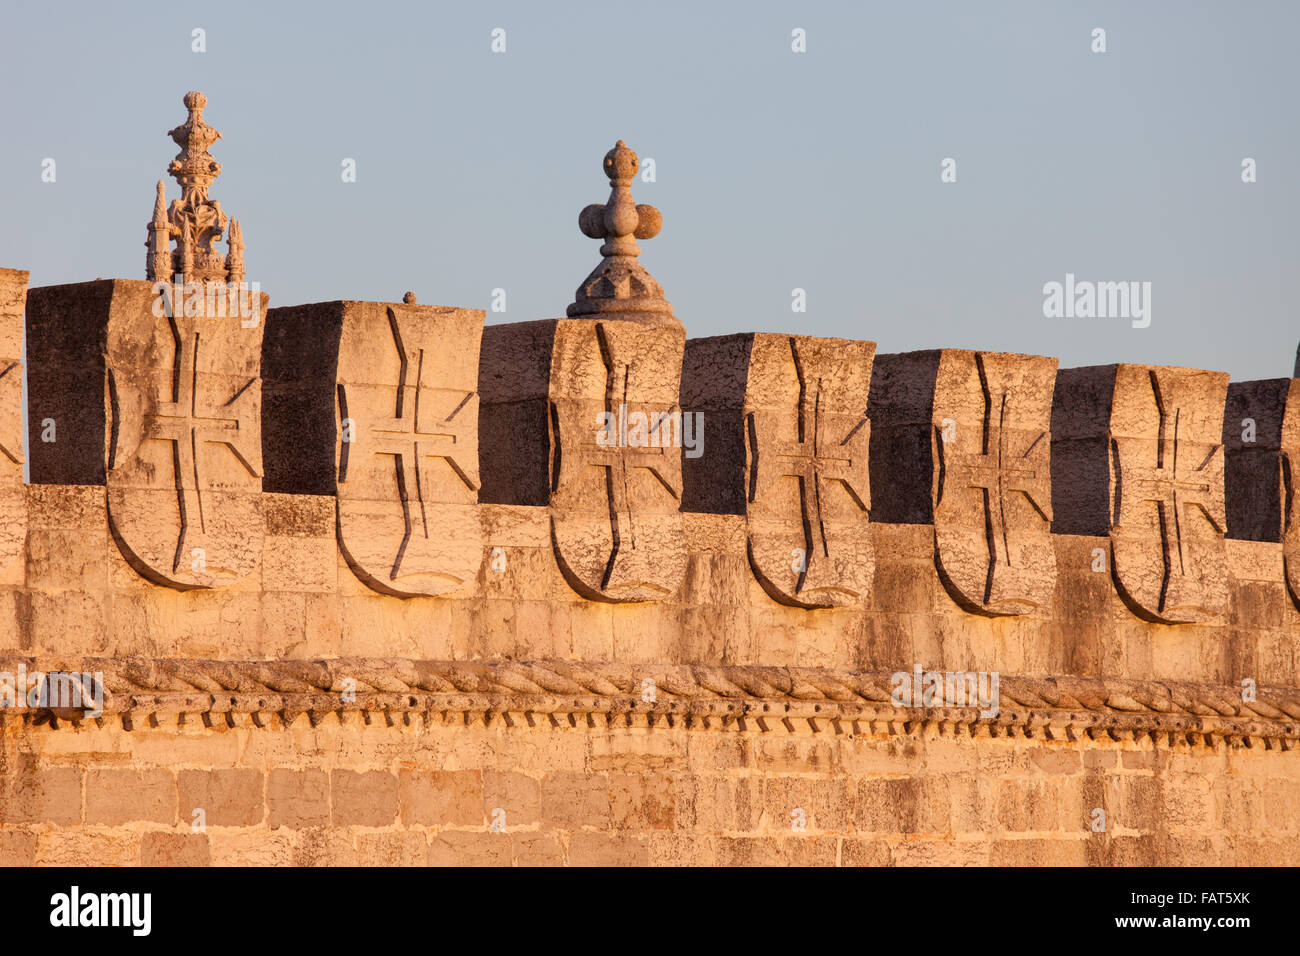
x=775, y=170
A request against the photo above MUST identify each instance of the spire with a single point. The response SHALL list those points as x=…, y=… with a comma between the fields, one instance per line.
x=235, y=257
x=193, y=221
x=160, y=205
x=620, y=287
x=159, y=262
x=194, y=167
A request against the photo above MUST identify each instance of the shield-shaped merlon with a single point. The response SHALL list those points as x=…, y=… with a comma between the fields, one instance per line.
x=806, y=468
x=1290, y=489
x=991, y=480
x=1166, y=491
x=616, y=475
x=407, y=446
x=183, y=446
x=13, y=507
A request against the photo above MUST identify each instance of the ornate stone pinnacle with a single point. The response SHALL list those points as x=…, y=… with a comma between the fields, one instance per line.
x=235, y=256
x=194, y=168
x=193, y=221
x=620, y=287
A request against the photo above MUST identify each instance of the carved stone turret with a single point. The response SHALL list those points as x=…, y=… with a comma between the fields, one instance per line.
x=194, y=222
x=620, y=287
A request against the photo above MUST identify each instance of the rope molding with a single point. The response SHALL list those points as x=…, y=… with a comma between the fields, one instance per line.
x=566, y=693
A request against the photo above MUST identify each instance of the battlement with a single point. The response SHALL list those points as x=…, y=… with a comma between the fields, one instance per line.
x=347, y=510
x=421, y=432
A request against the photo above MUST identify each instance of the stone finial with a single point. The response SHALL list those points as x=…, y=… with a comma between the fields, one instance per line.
x=194, y=222
x=159, y=262
x=620, y=287
x=235, y=256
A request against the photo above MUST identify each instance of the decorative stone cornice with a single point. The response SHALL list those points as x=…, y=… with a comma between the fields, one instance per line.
x=148, y=692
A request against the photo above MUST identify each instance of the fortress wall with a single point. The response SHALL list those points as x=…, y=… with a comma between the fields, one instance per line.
x=350, y=793
x=356, y=576
x=76, y=597
x=385, y=784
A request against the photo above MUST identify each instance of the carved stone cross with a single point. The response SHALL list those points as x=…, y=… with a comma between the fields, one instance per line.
x=1181, y=479
x=1167, y=485
x=408, y=473
x=997, y=472
x=621, y=459
x=190, y=421
x=416, y=433
x=616, y=524
x=184, y=449
x=992, y=481
x=813, y=458
x=809, y=494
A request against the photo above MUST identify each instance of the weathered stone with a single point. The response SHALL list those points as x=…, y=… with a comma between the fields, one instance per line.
x=13, y=506
x=786, y=435
x=304, y=717
x=514, y=412
x=66, y=411
x=194, y=222
x=156, y=389
x=174, y=849
x=1261, y=436
x=615, y=467
x=901, y=406
x=1253, y=463
x=961, y=440
x=163, y=409
x=184, y=447
x=1290, y=460
x=399, y=406
x=1155, y=433
x=992, y=481
x=620, y=287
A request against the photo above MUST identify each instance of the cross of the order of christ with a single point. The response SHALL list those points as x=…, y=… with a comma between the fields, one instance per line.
x=1174, y=488
x=414, y=435
x=998, y=474
x=190, y=421
x=632, y=448
x=813, y=459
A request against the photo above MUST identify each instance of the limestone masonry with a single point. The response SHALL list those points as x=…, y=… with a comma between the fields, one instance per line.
x=370, y=582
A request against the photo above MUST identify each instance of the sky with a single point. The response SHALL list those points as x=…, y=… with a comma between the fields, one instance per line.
x=774, y=170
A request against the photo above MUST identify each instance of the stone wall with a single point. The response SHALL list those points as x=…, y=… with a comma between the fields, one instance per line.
x=74, y=597
x=518, y=701
x=346, y=792
x=367, y=582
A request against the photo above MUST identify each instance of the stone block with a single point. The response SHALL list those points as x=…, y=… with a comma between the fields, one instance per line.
x=787, y=439
x=1138, y=455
